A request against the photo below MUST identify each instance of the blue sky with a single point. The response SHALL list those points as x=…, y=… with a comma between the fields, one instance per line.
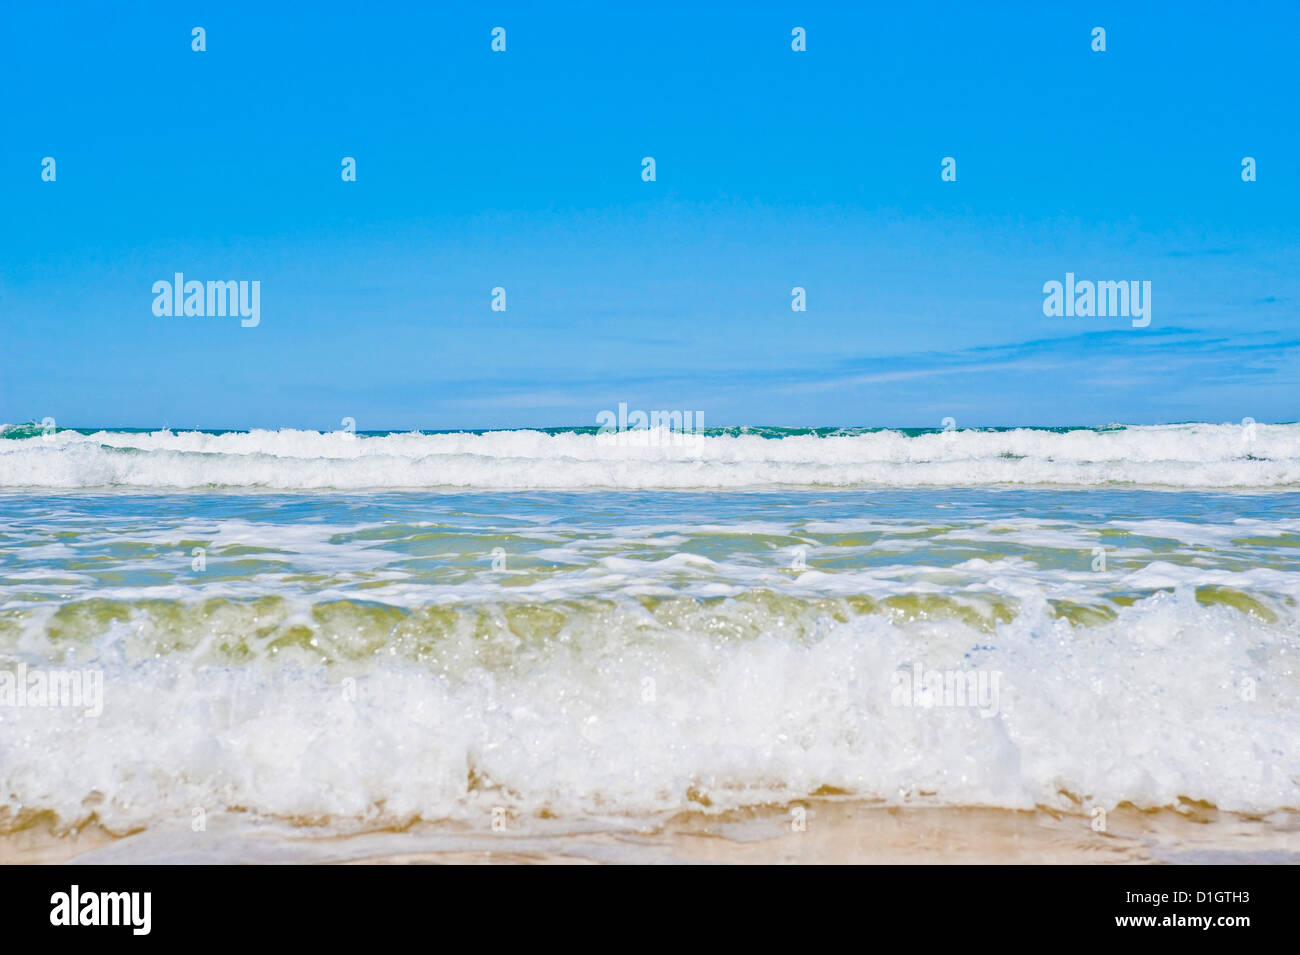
x=522, y=169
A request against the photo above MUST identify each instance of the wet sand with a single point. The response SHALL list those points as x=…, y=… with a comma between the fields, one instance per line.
x=835, y=831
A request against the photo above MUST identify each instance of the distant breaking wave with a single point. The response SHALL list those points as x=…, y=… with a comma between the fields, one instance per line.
x=1172, y=456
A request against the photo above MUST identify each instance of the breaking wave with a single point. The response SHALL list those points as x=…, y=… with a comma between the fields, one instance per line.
x=1171, y=456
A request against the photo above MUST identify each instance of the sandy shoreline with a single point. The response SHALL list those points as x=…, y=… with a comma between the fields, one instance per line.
x=837, y=832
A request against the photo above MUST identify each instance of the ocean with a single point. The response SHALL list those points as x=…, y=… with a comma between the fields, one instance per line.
x=351, y=632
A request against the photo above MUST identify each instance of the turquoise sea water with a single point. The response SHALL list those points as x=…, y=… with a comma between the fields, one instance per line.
x=561, y=640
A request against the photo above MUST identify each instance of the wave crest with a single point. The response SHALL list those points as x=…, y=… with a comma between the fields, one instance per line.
x=1174, y=456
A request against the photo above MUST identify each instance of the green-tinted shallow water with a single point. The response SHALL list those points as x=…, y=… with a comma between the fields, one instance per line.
x=370, y=658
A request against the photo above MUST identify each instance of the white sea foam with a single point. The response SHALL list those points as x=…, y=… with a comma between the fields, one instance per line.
x=1174, y=456
x=1147, y=709
x=767, y=624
